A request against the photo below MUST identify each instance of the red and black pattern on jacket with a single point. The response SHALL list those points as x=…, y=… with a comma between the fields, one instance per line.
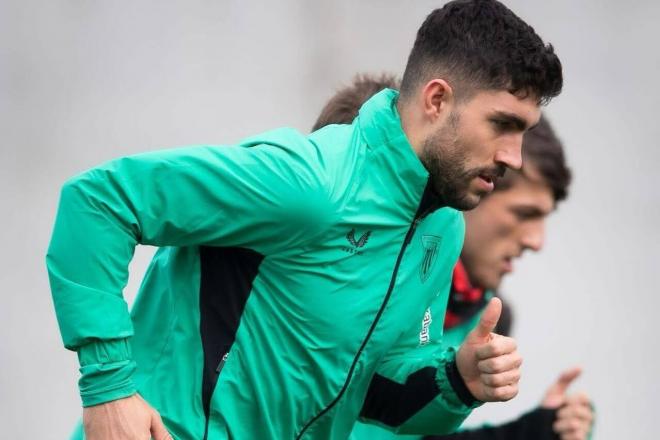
x=465, y=300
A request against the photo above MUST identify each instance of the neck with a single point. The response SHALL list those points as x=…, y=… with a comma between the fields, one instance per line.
x=411, y=126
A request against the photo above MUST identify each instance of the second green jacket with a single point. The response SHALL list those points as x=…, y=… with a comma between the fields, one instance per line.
x=289, y=268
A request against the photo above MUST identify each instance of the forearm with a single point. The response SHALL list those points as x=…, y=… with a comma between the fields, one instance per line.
x=87, y=263
x=420, y=397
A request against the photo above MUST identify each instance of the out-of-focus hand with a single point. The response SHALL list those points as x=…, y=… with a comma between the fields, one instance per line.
x=574, y=412
x=130, y=418
x=489, y=363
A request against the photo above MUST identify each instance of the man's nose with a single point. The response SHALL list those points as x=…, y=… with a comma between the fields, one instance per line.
x=511, y=155
x=533, y=237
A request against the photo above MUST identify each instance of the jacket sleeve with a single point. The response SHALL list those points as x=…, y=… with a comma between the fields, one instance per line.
x=420, y=396
x=221, y=196
x=536, y=424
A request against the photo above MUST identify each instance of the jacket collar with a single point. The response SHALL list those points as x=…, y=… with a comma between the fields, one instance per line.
x=380, y=126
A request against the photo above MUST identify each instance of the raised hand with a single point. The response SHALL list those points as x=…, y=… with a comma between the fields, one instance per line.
x=489, y=363
x=130, y=418
x=575, y=414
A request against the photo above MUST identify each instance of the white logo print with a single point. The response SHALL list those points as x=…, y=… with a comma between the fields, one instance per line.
x=424, y=335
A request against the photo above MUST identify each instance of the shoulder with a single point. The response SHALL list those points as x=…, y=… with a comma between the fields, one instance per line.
x=450, y=222
x=307, y=170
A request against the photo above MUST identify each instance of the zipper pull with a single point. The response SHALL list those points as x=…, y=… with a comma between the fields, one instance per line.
x=222, y=363
x=412, y=229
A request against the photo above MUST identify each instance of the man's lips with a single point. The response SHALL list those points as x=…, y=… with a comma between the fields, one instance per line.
x=507, y=261
x=487, y=177
x=486, y=182
x=508, y=265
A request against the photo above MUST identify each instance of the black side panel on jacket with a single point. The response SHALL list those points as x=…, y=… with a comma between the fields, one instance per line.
x=392, y=403
x=226, y=281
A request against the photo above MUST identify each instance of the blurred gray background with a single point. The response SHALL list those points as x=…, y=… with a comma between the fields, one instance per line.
x=83, y=82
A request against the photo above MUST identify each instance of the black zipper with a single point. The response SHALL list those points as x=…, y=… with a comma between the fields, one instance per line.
x=411, y=231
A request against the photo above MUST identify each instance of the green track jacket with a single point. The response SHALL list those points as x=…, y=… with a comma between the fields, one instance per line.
x=289, y=268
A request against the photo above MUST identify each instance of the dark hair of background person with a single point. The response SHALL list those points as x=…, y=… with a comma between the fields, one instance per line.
x=482, y=45
x=345, y=105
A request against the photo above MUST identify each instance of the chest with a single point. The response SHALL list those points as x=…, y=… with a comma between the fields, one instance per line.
x=366, y=274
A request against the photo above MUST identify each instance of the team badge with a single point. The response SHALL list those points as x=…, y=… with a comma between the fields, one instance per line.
x=431, y=244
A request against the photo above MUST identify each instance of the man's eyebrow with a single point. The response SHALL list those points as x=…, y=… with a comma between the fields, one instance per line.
x=531, y=210
x=513, y=119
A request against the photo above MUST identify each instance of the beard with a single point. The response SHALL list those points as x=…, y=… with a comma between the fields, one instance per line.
x=445, y=158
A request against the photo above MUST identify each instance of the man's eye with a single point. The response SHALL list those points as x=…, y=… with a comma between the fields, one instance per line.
x=523, y=214
x=501, y=125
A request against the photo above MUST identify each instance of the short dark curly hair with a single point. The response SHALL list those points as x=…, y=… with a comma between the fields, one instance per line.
x=482, y=45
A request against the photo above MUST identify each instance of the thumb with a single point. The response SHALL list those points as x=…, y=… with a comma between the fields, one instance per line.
x=554, y=397
x=158, y=430
x=489, y=319
x=565, y=379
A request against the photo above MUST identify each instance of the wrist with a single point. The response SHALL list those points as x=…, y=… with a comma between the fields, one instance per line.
x=101, y=383
x=106, y=371
x=458, y=384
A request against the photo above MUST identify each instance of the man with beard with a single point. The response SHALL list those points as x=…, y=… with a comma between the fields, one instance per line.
x=289, y=266
x=506, y=223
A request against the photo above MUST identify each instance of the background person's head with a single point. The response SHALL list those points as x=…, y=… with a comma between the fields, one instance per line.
x=473, y=84
x=343, y=107
x=512, y=218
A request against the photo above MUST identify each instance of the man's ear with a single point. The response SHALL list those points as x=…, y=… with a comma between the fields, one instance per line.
x=438, y=98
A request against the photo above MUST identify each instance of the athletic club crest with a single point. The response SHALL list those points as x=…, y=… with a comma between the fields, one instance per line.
x=431, y=245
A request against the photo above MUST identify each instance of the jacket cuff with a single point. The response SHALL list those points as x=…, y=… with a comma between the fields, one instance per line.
x=452, y=386
x=542, y=417
x=107, y=370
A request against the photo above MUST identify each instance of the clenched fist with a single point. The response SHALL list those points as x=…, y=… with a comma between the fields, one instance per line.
x=489, y=363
